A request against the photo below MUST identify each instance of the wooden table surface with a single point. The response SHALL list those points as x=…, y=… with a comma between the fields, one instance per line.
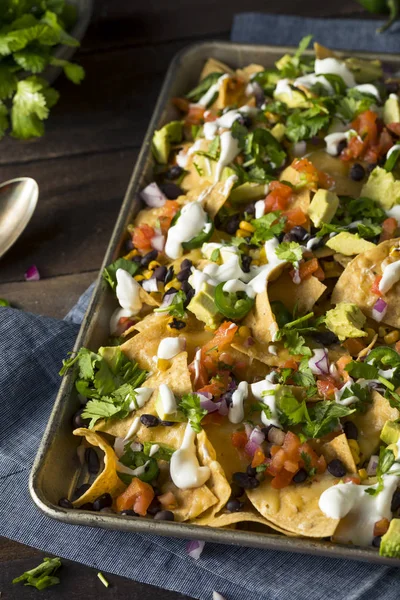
x=83, y=165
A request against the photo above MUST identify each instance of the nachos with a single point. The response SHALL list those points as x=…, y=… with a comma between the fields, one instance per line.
x=253, y=365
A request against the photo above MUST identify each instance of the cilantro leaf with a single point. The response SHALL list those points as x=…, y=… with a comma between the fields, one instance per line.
x=29, y=109
x=289, y=251
x=72, y=71
x=303, y=377
x=190, y=406
x=42, y=576
x=362, y=370
x=33, y=58
x=291, y=410
x=386, y=460
x=266, y=227
x=213, y=150
x=110, y=272
x=199, y=170
x=306, y=458
x=164, y=451
x=177, y=306
x=196, y=93
x=261, y=407
x=324, y=418
x=3, y=119
x=305, y=124
x=240, y=133
x=8, y=82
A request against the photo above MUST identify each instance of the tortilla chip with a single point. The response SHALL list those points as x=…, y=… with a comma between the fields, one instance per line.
x=354, y=285
x=232, y=92
x=217, y=483
x=260, y=353
x=295, y=508
x=215, y=66
x=177, y=377
x=215, y=196
x=338, y=169
x=191, y=503
x=303, y=295
x=108, y=480
x=261, y=319
x=342, y=259
x=339, y=448
x=370, y=424
x=248, y=71
x=229, y=457
x=229, y=519
x=322, y=52
x=146, y=298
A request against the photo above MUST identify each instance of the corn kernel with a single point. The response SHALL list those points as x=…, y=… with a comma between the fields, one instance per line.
x=382, y=331
x=139, y=277
x=242, y=233
x=147, y=274
x=255, y=263
x=244, y=331
x=363, y=474
x=355, y=450
x=131, y=254
x=392, y=337
x=370, y=334
x=174, y=283
x=153, y=265
x=163, y=364
x=247, y=226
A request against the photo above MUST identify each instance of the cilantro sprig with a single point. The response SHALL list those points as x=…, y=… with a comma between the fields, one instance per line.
x=267, y=227
x=110, y=272
x=177, y=306
x=386, y=460
x=290, y=251
x=190, y=406
x=42, y=576
x=378, y=360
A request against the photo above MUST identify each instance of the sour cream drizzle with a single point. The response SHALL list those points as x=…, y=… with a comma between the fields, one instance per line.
x=229, y=150
x=191, y=222
x=390, y=276
x=170, y=347
x=167, y=399
x=236, y=410
x=128, y=292
x=185, y=470
x=258, y=390
x=210, y=93
x=324, y=66
x=142, y=395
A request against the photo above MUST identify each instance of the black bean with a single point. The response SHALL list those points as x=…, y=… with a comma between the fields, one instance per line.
x=147, y=258
x=391, y=87
x=164, y=515
x=160, y=273
x=78, y=421
x=234, y=505
x=128, y=513
x=184, y=275
x=246, y=262
x=336, y=468
x=250, y=209
x=357, y=172
x=137, y=259
x=265, y=430
x=186, y=287
x=245, y=481
x=189, y=296
x=186, y=264
x=65, y=503
x=149, y=420
x=80, y=491
x=376, y=542
x=170, y=275
x=280, y=237
x=232, y=224
x=103, y=501
x=251, y=471
x=176, y=324
x=92, y=461
x=350, y=429
x=236, y=490
x=300, y=476
x=171, y=290
x=174, y=172
x=154, y=507
x=167, y=423
x=324, y=337
x=395, y=505
x=297, y=234
x=246, y=120
x=129, y=245
x=340, y=147
x=86, y=506
x=171, y=190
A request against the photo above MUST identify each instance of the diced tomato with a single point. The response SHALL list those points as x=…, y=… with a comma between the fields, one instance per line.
x=217, y=386
x=294, y=216
x=198, y=374
x=290, y=364
x=308, y=173
x=326, y=386
x=381, y=527
x=282, y=479
x=278, y=196
x=308, y=456
x=239, y=439
x=306, y=269
x=181, y=104
x=353, y=346
x=141, y=238
x=275, y=449
x=277, y=462
x=291, y=466
x=394, y=128
x=367, y=138
x=352, y=479
x=375, y=286
x=258, y=458
x=291, y=445
x=325, y=181
x=195, y=115
x=319, y=274
x=137, y=496
x=389, y=227
x=222, y=338
x=341, y=364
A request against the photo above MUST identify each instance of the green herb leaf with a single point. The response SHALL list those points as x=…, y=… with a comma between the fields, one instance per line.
x=190, y=406
x=42, y=576
x=324, y=418
x=196, y=93
x=386, y=460
x=110, y=272
x=164, y=452
x=290, y=251
x=267, y=227
x=177, y=306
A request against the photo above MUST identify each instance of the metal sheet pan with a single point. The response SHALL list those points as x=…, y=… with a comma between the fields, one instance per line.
x=56, y=471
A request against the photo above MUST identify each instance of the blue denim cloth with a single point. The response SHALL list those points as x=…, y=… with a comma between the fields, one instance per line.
x=31, y=350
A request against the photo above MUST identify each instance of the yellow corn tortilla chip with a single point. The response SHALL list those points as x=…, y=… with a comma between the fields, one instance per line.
x=232, y=91
x=148, y=299
x=248, y=71
x=249, y=516
x=215, y=196
x=107, y=481
x=217, y=483
x=260, y=353
x=304, y=295
x=370, y=424
x=261, y=319
x=213, y=65
x=354, y=285
x=295, y=508
x=177, y=377
x=339, y=448
x=230, y=459
x=344, y=186
x=342, y=259
x=191, y=503
x=322, y=52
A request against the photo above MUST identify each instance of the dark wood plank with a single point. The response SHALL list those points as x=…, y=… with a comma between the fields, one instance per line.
x=77, y=581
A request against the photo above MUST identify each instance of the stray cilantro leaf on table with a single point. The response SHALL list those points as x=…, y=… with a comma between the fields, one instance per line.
x=42, y=576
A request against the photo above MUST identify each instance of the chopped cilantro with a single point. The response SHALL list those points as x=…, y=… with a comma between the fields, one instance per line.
x=261, y=407
x=290, y=251
x=324, y=418
x=215, y=255
x=386, y=460
x=42, y=576
x=190, y=406
x=293, y=66
x=213, y=150
x=177, y=306
x=110, y=272
x=199, y=170
x=267, y=227
x=305, y=124
x=196, y=93
x=306, y=458
x=164, y=452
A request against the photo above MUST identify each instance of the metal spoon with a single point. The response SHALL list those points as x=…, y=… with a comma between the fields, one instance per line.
x=18, y=199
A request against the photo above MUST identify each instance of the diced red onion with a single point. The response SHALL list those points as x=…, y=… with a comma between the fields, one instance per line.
x=373, y=465
x=248, y=429
x=257, y=436
x=251, y=447
x=150, y=285
x=158, y=242
x=205, y=395
x=194, y=548
x=208, y=405
x=379, y=310
x=153, y=196
x=249, y=342
x=276, y=436
x=319, y=363
x=168, y=300
x=32, y=273
x=223, y=408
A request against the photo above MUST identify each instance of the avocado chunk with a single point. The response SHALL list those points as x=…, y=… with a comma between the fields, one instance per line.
x=391, y=110
x=364, y=71
x=202, y=305
x=278, y=131
x=163, y=138
x=390, y=543
x=323, y=207
x=390, y=433
x=382, y=187
x=349, y=244
x=176, y=417
x=248, y=192
x=293, y=99
x=346, y=321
